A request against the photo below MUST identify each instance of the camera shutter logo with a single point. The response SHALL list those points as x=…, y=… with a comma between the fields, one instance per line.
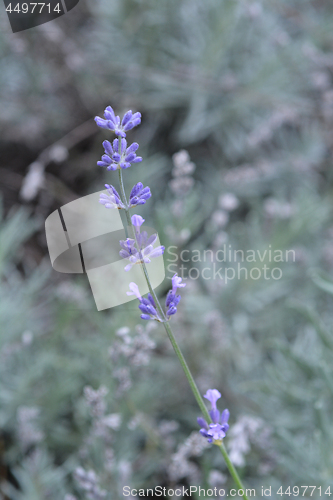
x=83, y=237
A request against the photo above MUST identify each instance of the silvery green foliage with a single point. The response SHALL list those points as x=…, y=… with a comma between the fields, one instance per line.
x=173, y=56
x=274, y=359
x=274, y=363
x=255, y=114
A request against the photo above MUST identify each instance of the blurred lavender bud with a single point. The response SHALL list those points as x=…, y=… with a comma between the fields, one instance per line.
x=33, y=181
x=58, y=153
x=228, y=202
x=220, y=218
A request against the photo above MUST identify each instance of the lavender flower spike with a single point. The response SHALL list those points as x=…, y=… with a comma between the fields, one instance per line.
x=112, y=122
x=115, y=160
x=112, y=199
x=215, y=431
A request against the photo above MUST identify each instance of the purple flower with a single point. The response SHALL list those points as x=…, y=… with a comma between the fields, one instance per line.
x=137, y=221
x=134, y=290
x=114, y=160
x=148, y=308
x=215, y=431
x=130, y=121
x=147, y=305
x=139, y=250
x=139, y=195
x=212, y=395
x=172, y=300
x=112, y=122
x=130, y=252
x=177, y=283
x=112, y=199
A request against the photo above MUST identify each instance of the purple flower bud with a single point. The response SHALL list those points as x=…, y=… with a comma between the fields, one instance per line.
x=169, y=298
x=132, y=122
x=172, y=310
x=147, y=308
x=101, y=123
x=157, y=252
x=108, y=148
x=115, y=145
x=110, y=115
x=123, y=146
x=151, y=300
x=116, y=157
x=225, y=417
x=204, y=433
x=136, y=189
x=126, y=118
x=132, y=148
x=134, y=290
x=212, y=395
x=177, y=283
x=202, y=422
x=215, y=415
x=130, y=157
x=137, y=220
x=151, y=240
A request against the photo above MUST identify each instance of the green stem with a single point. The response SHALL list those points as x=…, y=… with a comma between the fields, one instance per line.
x=232, y=470
x=187, y=371
x=143, y=265
x=176, y=347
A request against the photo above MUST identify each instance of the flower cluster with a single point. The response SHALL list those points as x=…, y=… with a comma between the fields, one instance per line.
x=112, y=199
x=136, y=349
x=216, y=431
x=172, y=299
x=181, y=466
x=28, y=430
x=139, y=195
x=89, y=482
x=147, y=305
x=118, y=155
x=112, y=122
x=139, y=250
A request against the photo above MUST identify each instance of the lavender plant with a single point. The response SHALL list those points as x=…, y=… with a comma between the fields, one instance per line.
x=140, y=250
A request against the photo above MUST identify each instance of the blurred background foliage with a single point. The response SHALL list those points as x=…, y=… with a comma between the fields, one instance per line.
x=91, y=402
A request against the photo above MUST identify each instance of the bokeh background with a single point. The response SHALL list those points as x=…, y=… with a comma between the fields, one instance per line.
x=92, y=401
